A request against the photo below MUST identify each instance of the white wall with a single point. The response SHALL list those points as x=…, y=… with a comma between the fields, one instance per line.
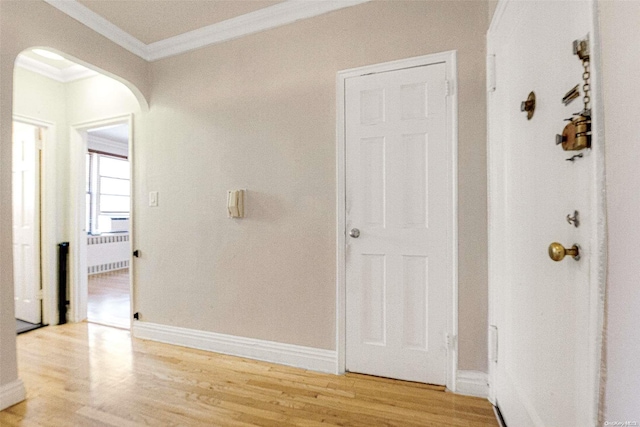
x=620, y=33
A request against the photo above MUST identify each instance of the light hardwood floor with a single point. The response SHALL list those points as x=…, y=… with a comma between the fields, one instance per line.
x=108, y=302
x=92, y=375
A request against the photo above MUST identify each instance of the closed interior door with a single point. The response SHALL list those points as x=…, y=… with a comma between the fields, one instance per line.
x=399, y=224
x=26, y=222
x=544, y=366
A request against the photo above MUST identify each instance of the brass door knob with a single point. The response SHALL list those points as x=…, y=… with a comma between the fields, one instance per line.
x=557, y=252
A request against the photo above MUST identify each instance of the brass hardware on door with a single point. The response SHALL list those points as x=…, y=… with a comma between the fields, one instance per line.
x=529, y=105
x=557, y=252
x=576, y=134
x=571, y=95
x=581, y=48
x=575, y=219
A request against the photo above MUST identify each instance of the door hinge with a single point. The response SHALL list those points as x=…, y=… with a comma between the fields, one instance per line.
x=493, y=343
x=491, y=73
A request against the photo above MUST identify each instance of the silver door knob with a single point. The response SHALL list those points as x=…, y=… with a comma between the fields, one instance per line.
x=355, y=233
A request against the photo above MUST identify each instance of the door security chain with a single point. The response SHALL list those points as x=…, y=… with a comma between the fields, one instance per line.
x=577, y=133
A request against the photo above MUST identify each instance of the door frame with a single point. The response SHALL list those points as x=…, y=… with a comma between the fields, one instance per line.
x=79, y=287
x=48, y=209
x=449, y=58
x=598, y=238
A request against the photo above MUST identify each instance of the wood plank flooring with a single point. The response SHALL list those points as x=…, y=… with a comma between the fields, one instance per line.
x=108, y=302
x=92, y=375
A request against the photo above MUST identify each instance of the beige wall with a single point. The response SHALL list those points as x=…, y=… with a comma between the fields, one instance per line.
x=25, y=24
x=620, y=35
x=259, y=113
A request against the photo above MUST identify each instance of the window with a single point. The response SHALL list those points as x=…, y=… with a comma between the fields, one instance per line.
x=108, y=191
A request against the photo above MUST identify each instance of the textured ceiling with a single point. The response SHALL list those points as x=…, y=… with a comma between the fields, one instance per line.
x=154, y=20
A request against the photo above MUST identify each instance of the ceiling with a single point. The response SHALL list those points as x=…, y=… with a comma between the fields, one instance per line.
x=116, y=133
x=60, y=64
x=154, y=20
x=61, y=70
x=156, y=29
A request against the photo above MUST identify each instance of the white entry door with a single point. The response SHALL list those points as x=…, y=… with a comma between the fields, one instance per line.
x=26, y=222
x=546, y=365
x=399, y=216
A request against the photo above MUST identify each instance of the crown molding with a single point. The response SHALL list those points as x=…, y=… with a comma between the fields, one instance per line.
x=100, y=25
x=260, y=20
x=73, y=73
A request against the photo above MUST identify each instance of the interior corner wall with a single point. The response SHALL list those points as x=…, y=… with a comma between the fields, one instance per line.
x=620, y=36
x=26, y=24
x=259, y=113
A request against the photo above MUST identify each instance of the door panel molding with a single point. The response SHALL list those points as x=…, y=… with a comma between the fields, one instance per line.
x=448, y=58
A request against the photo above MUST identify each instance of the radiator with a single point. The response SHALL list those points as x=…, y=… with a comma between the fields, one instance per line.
x=107, y=253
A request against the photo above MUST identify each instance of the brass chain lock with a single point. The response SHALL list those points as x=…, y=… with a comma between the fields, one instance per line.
x=577, y=133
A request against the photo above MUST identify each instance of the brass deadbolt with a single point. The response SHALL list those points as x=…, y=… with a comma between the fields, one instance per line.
x=557, y=252
x=529, y=105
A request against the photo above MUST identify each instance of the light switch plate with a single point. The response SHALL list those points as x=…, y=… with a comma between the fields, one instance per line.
x=153, y=198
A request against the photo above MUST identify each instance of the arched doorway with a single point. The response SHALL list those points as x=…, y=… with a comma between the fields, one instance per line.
x=68, y=100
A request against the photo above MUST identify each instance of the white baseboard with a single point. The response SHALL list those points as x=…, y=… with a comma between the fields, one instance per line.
x=472, y=383
x=314, y=359
x=12, y=393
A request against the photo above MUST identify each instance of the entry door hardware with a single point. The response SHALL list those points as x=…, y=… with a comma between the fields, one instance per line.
x=581, y=48
x=571, y=95
x=573, y=158
x=576, y=135
x=529, y=105
x=137, y=253
x=557, y=252
x=575, y=219
x=355, y=233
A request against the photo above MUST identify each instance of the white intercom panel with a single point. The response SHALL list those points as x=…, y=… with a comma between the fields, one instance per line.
x=235, y=203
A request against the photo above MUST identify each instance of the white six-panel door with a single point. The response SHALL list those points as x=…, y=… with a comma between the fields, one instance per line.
x=26, y=222
x=398, y=196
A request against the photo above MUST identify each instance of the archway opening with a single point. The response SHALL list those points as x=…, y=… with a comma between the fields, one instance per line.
x=82, y=119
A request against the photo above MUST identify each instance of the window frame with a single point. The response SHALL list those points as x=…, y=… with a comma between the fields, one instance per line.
x=94, y=190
